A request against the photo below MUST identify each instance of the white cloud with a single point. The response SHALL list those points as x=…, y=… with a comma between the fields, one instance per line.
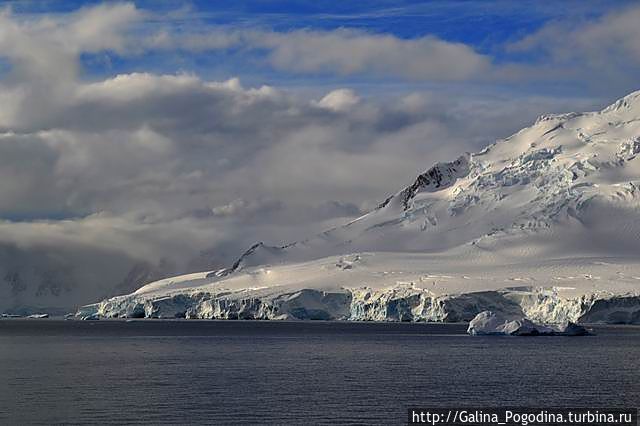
x=350, y=52
x=342, y=52
x=48, y=48
x=97, y=28
x=602, y=54
x=339, y=100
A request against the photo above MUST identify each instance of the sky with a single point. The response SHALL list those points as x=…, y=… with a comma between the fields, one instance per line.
x=144, y=139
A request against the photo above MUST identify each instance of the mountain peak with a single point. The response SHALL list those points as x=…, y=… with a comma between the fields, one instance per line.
x=568, y=172
x=631, y=101
x=438, y=177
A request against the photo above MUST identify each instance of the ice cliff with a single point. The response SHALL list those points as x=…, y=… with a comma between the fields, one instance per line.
x=394, y=304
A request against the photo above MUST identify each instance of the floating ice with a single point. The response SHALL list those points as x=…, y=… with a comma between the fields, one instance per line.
x=491, y=323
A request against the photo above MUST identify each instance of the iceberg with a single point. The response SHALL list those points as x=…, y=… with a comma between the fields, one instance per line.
x=489, y=323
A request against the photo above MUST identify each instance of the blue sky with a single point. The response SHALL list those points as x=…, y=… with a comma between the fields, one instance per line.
x=486, y=27
x=476, y=22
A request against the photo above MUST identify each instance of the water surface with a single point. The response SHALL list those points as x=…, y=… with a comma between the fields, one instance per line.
x=225, y=372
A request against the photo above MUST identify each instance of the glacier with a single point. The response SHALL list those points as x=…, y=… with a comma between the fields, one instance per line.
x=544, y=225
x=414, y=295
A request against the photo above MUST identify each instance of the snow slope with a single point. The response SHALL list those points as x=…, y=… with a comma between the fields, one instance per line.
x=545, y=223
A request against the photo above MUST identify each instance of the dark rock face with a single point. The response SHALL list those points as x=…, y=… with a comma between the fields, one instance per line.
x=441, y=175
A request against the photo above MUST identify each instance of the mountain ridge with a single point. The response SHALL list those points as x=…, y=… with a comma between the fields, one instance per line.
x=518, y=172
x=559, y=196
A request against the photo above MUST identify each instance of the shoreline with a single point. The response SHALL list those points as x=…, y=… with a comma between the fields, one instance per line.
x=61, y=320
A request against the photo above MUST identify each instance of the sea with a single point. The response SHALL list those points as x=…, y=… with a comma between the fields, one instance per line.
x=187, y=372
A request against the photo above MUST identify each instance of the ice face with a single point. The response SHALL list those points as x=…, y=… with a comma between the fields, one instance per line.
x=511, y=310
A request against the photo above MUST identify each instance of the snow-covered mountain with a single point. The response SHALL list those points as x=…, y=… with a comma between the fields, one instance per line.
x=545, y=223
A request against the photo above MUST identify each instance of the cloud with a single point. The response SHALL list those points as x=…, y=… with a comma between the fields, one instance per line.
x=341, y=51
x=247, y=208
x=339, y=100
x=340, y=209
x=98, y=28
x=66, y=263
x=351, y=52
x=604, y=52
x=48, y=48
x=599, y=54
x=561, y=51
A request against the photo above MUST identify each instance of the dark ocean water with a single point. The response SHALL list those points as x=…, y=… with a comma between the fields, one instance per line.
x=200, y=372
